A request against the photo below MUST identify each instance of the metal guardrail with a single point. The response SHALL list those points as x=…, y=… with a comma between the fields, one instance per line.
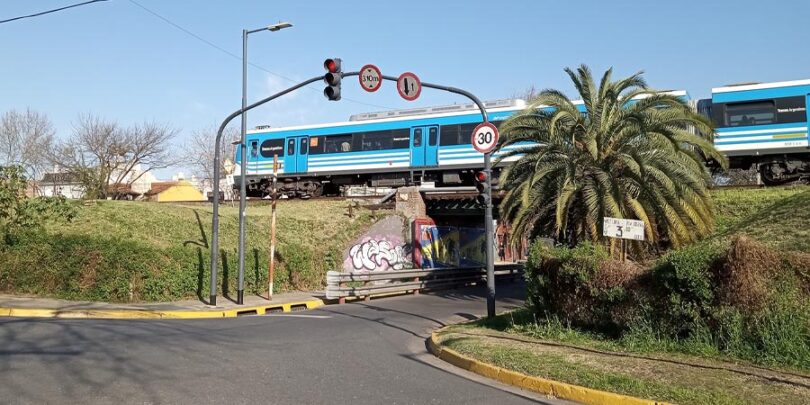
x=368, y=284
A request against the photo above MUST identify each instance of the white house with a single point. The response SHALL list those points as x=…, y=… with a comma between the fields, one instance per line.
x=61, y=184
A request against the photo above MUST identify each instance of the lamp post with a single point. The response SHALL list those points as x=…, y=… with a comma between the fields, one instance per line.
x=240, y=294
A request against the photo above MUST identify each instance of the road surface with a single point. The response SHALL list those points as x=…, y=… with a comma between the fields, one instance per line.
x=358, y=353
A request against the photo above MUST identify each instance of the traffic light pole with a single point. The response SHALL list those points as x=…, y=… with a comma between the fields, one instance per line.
x=490, y=245
x=217, y=158
x=490, y=242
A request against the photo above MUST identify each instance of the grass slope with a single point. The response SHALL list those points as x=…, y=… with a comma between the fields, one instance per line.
x=135, y=251
x=778, y=217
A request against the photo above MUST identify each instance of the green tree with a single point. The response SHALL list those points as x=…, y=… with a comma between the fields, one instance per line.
x=19, y=212
x=633, y=153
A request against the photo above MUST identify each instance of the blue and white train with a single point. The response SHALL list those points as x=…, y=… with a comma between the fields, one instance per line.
x=763, y=125
x=386, y=149
x=757, y=125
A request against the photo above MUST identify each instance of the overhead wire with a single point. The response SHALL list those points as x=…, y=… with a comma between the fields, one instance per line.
x=235, y=56
x=50, y=11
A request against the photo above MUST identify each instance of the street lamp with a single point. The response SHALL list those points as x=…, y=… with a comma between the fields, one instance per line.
x=240, y=294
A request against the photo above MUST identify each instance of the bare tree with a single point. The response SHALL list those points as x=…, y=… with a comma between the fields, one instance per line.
x=104, y=155
x=200, y=152
x=529, y=94
x=25, y=138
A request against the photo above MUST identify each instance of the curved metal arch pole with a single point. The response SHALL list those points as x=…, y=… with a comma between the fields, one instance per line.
x=488, y=225
x=217, y=157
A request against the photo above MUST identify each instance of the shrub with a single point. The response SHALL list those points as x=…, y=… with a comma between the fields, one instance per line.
x=582, y=286
x=684, y=281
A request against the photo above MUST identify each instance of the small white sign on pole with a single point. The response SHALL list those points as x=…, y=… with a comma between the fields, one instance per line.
x=623, y=228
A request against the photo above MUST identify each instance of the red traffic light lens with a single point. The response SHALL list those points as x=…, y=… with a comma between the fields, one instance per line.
x=481, y=177
x=330, y=65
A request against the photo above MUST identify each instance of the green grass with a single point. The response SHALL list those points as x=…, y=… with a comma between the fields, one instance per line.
x=551, y=350
x=640, y=340
x=778, y=216
x=136, y=251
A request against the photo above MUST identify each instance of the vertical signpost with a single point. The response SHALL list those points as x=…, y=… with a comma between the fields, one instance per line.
x=484, y=139
x=272, y=265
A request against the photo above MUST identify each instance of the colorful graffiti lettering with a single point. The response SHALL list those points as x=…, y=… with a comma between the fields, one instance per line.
x=382, y=255
x=447, y=246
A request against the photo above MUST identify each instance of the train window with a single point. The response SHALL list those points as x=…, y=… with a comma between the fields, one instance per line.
x=304, y=145
x=337, y=144
x=400, y=138
x=316, y=145
x=378, y=140
x=272, y=147
x=291, y=147
x=465, y=133
x=752, y=113
x=791, y=109
x=417, y=137
x=254, y=149
x=433, y=136
x=449, y=135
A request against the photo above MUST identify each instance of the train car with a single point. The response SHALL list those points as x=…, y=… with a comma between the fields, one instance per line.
x=385, y=149
x=763, y=125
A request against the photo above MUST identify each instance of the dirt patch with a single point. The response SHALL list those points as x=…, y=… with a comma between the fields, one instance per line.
x=744, y=276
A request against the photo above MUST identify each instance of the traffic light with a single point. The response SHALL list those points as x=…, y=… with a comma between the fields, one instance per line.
x=484, y=186
x=332, y=79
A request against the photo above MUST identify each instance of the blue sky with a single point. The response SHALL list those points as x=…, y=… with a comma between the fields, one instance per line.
x=117, y=60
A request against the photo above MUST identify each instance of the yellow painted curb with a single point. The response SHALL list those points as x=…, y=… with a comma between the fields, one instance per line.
x=556, y=389
x=154, y=314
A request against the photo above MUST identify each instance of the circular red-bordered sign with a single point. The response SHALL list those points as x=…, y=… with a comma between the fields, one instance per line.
x=370, y=78
x=485, y=137
x=409, y=86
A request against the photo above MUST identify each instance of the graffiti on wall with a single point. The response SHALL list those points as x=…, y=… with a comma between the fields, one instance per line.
x=447, y=246
x=380, y=255
x=383, y=247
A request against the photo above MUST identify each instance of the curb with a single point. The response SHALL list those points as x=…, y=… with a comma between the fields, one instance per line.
x=154, y=314
x=553, y=388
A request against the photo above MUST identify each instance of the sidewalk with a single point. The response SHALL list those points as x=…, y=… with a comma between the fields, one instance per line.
x=28, y=306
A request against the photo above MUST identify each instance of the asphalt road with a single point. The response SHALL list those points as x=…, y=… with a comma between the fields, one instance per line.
x=358, y=353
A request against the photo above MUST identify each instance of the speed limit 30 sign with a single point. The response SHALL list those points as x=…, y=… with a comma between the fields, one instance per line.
x=485, y=137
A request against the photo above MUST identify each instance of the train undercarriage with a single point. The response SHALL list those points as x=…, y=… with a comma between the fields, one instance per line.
x=335, y=185
x=776, y=170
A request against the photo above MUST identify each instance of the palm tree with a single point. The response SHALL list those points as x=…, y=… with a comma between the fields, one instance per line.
x=633, y=153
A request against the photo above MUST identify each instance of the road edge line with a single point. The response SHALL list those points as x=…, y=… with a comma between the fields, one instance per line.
x=544, y=386
x=144, y=314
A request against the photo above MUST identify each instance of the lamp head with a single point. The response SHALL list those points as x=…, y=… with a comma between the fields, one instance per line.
x=279, y=26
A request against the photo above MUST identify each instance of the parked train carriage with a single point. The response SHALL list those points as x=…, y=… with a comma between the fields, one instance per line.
x=385, y=149
x=764, y=126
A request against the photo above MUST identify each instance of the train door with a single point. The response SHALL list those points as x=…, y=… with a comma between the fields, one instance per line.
x=295, y=158
x=432, y=146
x=424, y=146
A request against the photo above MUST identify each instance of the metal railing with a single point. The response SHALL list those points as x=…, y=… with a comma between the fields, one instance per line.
x=365, y=284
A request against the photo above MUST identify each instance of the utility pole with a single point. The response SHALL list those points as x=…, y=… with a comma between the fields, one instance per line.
x=240, y=290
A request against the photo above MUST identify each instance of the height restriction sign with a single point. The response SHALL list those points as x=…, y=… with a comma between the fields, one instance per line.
x=485, y=137
x=370, y=78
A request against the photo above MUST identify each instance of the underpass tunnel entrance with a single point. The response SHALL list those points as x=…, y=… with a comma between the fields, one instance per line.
x=453, y=234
